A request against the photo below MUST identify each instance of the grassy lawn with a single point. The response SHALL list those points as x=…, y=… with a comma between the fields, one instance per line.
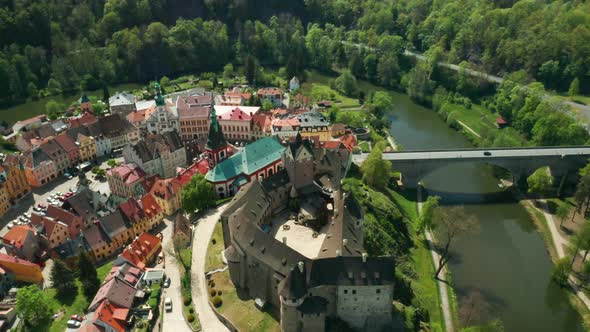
x=318, y=87
x=103, y=270
x=424, y=285
x=73, y=305
x=242, y=313
x=214, y=251
x=477, y=118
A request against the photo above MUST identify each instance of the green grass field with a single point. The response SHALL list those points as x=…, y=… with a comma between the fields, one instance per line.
x=214, y=251
x=72, y=305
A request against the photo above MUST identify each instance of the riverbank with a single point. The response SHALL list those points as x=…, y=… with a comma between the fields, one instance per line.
x=556, y=250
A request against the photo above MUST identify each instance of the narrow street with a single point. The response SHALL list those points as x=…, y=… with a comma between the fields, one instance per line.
x=173, y=321
x=202, y=235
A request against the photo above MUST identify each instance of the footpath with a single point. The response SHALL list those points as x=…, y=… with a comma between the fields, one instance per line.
x=560, y=243
x=441, y=281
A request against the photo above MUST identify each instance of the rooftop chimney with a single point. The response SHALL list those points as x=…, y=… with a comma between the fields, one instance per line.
x=301, y=265
x=344, y=242
x=365, y=257
x=284, y=240
x=338, y=253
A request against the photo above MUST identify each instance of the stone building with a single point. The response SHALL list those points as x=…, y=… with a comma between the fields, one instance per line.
x=122, y=103
x=158, y=154
x=294, y=241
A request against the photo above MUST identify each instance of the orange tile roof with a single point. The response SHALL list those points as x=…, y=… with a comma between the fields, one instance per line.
x=166, y=188
x=112, y=315
x=17, y=235
x=150, y=205
x=138, y=252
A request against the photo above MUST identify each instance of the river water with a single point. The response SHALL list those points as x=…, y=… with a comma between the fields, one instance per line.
x=505, y=261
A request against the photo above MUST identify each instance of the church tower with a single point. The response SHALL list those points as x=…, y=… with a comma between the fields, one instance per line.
x=216, y=147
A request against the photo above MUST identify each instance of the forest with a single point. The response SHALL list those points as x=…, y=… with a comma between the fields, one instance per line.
x=50, y=47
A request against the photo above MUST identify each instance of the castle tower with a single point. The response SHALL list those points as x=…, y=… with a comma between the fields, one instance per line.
x=216, y=147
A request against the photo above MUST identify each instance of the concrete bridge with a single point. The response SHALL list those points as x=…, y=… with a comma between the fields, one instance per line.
x=521, y=162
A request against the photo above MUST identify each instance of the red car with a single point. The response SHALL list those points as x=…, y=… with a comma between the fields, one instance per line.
x=77, y=317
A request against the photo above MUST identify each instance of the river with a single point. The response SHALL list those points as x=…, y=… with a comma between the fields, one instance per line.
x=30, y=109
x=506, y=260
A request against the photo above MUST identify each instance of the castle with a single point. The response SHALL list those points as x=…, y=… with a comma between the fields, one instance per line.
x=294, y=241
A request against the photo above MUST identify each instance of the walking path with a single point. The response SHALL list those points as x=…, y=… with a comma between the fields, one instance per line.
x=468, y=128
x=441, y=281
x=201, y=238
x=559, y=243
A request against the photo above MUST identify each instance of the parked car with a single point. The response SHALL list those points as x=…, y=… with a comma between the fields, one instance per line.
x=37, y=209
x=68, y=176
x=74, y=324
x=10, y=225
x=23, y=219
x=76, y=317
x=167, y=282
x=42, y=206
x=168, y=304
x=28, y=215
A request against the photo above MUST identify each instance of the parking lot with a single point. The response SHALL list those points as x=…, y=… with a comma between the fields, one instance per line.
x=40, y=195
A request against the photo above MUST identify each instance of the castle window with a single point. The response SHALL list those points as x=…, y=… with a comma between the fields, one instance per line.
x=378, y=291
x=346, y=291
x=353, y=291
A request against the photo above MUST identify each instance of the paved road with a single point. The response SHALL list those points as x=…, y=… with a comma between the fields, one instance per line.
x=201, y=238
x=173, y=321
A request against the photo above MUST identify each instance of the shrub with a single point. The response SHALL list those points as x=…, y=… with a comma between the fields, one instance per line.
x=186, y=300
x=191, y=310
x=213, y=292
x=190, y=318
x=212, y=284
x=213, y=241
x=219, y=292
x=217, y=302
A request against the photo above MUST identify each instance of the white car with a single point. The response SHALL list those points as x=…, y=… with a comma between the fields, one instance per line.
x=72, y=323
x=10, y=225
x=168, y=304
x=23, y=219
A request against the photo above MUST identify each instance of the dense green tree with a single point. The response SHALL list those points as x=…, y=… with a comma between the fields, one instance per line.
x=540, y=182
x=62, y=279
x=198, y=195
x=32, y=90
x=228, y=70
x=267, y=105
x=574, y=88
x=346, y=83
x=54, y=110
x=428, y=208
x=561, y=272
x=376, y=171
x=32, y=306
x=370, y=64
x=419, y=84
x=355, y=65
x=88, y=276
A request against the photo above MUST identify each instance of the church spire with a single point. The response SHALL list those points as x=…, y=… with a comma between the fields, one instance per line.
x=159, y=98
x=215, y=139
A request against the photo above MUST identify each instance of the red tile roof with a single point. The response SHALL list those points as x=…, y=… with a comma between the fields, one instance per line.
x=236, y=114
x=132, y=210
x=263, y=121
x=112, y=315
x=4, y=258
x=73, y=221
x=18, y=234
x=85, y=119
x=501, y=121
x=130, y=173
x=245, y=95
x=150, y=205
x=166, y=188
x=141, y=250
x=288, y=122
x=66, y=142
x=269, y=91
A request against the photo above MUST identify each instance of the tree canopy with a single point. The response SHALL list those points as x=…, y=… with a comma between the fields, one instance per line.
x=198, y=194
x=32, y=305
x=540, y=182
